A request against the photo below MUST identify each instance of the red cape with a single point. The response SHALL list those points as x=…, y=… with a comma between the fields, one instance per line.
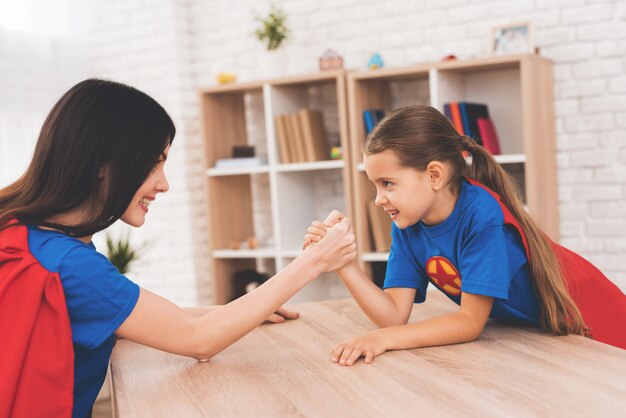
x=601, y=303
x=36, y=353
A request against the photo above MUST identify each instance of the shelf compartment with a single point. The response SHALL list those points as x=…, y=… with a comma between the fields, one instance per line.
x=323, y=93
x=233, y=116
x=305, y=196
x=227, y=287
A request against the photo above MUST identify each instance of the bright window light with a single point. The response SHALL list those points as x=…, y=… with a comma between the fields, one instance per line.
x=35, y=16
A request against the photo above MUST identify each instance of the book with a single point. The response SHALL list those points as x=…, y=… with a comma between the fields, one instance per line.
x=314, y=135
x=280, y=123
x=369, y=121
x=446, y=111
x=489, y=135
x=475, y=111
x=465, y=118
x=456, y=117
x=296, y=142
x=381, y=227
x=240, y=162
x=371, y=117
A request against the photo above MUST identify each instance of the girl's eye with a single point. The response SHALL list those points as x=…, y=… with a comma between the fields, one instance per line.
x=386, y=184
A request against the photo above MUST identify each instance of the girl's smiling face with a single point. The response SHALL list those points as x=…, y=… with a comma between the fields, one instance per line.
x=407, y=194
x=135, y=214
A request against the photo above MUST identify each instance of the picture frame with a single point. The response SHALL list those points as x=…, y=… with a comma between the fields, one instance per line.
x=512, y=38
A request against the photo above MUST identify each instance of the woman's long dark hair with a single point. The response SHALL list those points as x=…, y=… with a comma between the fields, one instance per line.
x=97, y=146
x=421, y=134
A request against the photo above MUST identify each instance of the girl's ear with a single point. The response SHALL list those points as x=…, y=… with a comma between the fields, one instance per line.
x=436, y=173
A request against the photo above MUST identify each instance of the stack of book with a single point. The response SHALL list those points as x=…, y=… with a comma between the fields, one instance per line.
x=380, y=225
x=472, y=119
x=371, y=117
x=301, y=137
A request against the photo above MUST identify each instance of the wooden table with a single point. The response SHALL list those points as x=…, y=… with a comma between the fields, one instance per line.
x=285, y=370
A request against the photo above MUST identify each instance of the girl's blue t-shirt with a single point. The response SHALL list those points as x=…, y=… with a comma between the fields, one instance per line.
x=99, y=299
x=472, y=251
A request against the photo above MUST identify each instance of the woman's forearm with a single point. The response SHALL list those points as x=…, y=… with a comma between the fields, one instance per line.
x=377, y=305
x=230, y=322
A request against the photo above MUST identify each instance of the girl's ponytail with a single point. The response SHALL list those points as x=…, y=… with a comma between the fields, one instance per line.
x=559, y=313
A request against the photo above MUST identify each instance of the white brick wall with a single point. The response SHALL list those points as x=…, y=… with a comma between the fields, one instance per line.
x=148, y=45
x=585, y=39
x=169, y=48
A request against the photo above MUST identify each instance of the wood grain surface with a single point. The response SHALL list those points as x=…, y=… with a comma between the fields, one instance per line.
x=284, y=370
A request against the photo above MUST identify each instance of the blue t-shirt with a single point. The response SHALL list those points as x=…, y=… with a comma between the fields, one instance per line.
x=99, y=299
x=471, y=251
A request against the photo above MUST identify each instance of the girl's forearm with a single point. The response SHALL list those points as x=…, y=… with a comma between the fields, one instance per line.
x=377, y=305
x=441, y=330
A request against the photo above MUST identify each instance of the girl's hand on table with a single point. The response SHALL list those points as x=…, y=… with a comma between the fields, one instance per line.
x=368, y=346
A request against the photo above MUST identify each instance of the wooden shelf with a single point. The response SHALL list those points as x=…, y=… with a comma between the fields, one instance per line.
x=237, y=171
x=311, y=166
x=374, y=256
x=256, y=253
x=275, y=202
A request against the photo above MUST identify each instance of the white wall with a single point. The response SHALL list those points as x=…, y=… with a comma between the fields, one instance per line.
x=585, y=39
x=169, y=49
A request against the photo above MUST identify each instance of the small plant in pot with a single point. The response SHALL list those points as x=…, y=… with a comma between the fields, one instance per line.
x=273, y=30
x=273, y=33
x=121, y=253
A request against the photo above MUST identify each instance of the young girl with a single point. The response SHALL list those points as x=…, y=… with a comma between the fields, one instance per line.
x=99, y=158
x=461, y=226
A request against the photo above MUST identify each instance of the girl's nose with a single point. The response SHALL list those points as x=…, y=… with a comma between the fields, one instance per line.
x=380, y=199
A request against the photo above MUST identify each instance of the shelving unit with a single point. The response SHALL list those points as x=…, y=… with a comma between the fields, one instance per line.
x=275, y=202
x=518, y=91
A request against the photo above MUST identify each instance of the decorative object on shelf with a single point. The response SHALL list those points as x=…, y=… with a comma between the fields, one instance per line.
x=221, y=76
x=450, y=57
x=235, y=245
x=245, y=281
x=225, y=78
x=273, y=33
x=514, y=38
x=243, y=156
x=252, y=243
x=330, y=60
x=121, y=253
x=336, y=153
x=375, y=61
x=243, y=151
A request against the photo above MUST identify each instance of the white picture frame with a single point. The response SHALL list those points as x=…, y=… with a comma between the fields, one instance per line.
x=512, y=38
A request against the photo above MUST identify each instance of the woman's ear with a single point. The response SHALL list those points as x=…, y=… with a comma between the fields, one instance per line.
x=103, y=171
x=436, y=174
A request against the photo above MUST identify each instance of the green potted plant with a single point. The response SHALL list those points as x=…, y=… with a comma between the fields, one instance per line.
x=121, y=253
x=273, y=32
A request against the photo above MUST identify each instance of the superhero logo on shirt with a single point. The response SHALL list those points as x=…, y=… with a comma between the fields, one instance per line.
x=444, y=275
